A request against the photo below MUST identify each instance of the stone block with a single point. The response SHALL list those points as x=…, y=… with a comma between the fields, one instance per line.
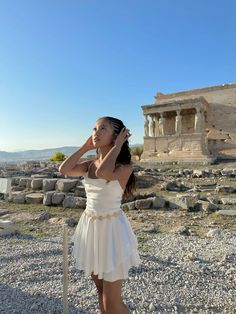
x=5, y=185
x=17, y=197
x=37, y=184
x=144, y=204
x=49, y=184
x=158, y=202
x=224, y=189
x=128, y=206
x=143, y=182
x=186, y=201
x=74, y=202
x=213, y=199
x=7, y=227
x=34, y=198
x=57, y=198
x=47, y=199
x=197, y=173
x=44, y=216
x=71, y=222
x=208, y=207
x=171, y=203
x=15, y=181
x=227, y=212
x=229, y=172
x=25, y=182
x=65, y=185
x=228, y=201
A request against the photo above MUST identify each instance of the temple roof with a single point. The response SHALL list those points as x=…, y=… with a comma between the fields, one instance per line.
x=176, y=104
x=161, y=96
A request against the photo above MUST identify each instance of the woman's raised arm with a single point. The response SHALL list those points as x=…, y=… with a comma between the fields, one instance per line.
x=69, y=166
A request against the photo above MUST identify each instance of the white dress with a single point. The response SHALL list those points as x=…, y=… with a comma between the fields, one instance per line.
x=104, y=242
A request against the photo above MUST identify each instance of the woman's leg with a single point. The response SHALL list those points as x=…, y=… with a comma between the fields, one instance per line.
x=112, y=302
x=99, y=285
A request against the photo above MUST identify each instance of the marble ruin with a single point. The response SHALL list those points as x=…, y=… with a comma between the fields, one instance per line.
x=198, y=125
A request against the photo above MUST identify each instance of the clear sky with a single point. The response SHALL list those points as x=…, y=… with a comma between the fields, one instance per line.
x=64, y=63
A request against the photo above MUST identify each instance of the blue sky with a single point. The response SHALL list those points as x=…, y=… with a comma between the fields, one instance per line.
x=63, y=64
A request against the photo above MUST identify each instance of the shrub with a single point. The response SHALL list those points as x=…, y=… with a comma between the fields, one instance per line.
x=58, y=156
x=137, y=150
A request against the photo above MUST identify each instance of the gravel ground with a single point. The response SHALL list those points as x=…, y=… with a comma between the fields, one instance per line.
x=178, y=274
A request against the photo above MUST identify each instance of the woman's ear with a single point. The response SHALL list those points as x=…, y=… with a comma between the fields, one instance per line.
x=114, y=137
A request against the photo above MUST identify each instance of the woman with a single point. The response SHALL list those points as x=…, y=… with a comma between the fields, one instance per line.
x=105, y=246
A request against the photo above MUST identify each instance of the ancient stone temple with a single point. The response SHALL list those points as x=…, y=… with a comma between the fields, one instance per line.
x=194, y=125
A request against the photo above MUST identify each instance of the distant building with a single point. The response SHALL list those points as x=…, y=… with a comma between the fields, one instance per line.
x=194, y=125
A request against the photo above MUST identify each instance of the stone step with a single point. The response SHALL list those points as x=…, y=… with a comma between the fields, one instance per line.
x=177, y=156
x=6, y=227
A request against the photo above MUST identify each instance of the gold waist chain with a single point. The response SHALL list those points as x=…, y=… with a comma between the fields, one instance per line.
x=101, y=217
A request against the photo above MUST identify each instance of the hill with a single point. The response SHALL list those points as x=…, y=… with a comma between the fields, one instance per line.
x=39, y=154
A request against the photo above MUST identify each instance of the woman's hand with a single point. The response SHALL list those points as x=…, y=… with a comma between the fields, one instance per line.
x=89, y=143
x=122, y=137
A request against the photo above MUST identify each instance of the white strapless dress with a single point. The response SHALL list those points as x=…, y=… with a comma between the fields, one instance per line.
x=104, y=242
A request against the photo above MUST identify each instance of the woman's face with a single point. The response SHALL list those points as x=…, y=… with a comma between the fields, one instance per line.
x=103, y=134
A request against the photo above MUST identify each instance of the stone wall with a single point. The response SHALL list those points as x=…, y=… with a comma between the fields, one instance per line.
x=206, y=189
x=64, y=192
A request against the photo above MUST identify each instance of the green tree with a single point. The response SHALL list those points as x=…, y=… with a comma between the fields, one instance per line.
x=58, y=156
x=137, y=150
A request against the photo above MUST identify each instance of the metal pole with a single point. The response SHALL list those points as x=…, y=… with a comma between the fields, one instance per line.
x=65, y=269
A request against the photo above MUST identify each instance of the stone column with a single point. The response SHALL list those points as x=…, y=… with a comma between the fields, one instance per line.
x=161, y=122
x=178, y=123
x=146, y=126
x=152, y=127
x=198, y=121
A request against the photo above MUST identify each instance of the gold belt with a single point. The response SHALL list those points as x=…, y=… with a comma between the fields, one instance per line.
x=101, y=217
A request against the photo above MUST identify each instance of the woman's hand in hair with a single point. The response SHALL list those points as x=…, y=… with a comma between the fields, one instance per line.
x=122, y=137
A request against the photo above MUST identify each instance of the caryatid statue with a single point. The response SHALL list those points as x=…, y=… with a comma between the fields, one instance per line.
x=178, y=123
x=152, y=127
x=198, y=121
x=161, y=125
x=146, y=126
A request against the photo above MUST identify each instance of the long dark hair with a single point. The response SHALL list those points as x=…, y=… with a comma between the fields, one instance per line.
x=124, y=156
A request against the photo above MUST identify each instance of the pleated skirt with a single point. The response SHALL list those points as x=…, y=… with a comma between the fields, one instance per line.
x=107, y=247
